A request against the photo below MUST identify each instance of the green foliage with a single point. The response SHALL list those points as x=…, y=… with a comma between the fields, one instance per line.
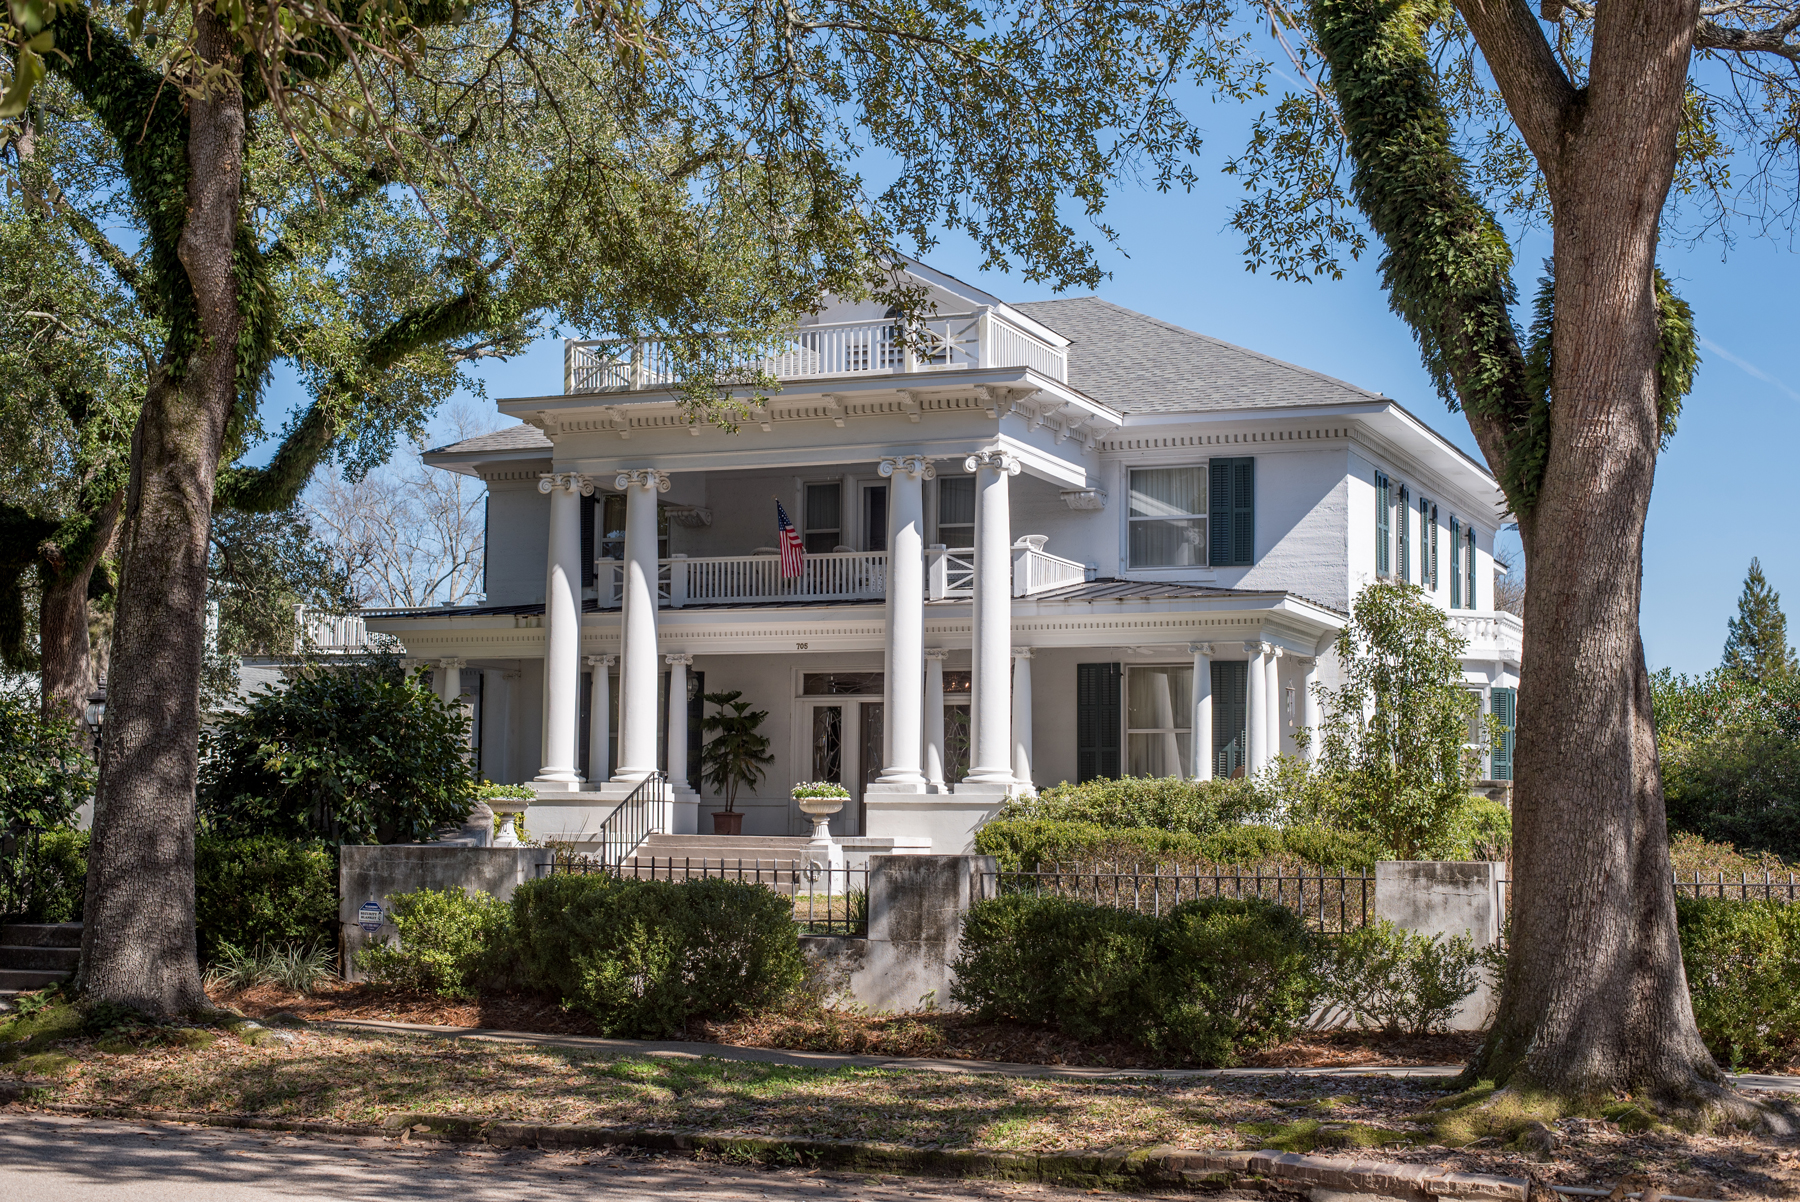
x=1166, y=803
x=1393, y=756
x=354, y=754
x=1756, y=643
x=450, y=943
x=46, y=772
x=810, y=789
x=1030, y=844
x=1481, y=829
x=1743, y=971
x=644, y=958
x=56, y=876
x=1730, y=751
x=734, y=757
x=294, y=966
x=1397, y=980
x=1207, y=981
x=262, y=892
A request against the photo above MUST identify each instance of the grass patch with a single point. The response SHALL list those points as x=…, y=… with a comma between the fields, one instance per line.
x=1512, y=1116
x=1308, y=1135
x=45, y=1064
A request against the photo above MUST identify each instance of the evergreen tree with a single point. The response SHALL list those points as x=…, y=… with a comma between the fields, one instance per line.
x=1756, y=643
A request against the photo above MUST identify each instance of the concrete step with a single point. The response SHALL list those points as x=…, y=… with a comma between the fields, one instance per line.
x=25, y=979
x=41, y=934
x=768, y=849
x=50, y=959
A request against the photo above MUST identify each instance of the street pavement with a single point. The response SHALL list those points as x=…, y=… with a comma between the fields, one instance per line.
x=57, y=1158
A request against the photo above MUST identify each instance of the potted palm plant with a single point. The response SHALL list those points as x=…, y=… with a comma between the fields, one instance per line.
x=734, y=756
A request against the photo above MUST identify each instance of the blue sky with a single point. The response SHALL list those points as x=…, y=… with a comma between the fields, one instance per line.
x=1721, y=487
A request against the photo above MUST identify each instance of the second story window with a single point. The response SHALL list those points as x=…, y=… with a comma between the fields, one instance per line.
x=1168, y=517
x=1384, y=511
x=1455, y=576
x=824, y=517
x=1402, y=535
x=956, y=511
x=609, y=533
x=1469, y=568
x=1428, y=551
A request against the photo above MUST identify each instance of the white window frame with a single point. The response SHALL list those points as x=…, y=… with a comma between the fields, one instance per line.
x=1126, y=519
x=1186, y=766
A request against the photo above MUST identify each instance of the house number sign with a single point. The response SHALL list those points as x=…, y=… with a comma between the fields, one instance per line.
x=369, y=917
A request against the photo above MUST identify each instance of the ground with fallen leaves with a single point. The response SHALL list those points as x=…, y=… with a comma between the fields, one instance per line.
x=310, y=1073
x=949, y=1035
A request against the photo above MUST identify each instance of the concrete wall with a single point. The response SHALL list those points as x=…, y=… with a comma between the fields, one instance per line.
x=1446, y=898
x=375, y=874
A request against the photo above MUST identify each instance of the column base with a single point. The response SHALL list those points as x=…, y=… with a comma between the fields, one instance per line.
x=1002, y=786
x=898, y=785
x=684, y=810
x=557, y=780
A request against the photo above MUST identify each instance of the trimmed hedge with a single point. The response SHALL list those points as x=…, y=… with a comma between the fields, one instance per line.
x=263, y=892
x=1743, y=971
x=643, y=958
x=1208, y=981
x=1165, y=803
x=451, y=943
x=1028, y=844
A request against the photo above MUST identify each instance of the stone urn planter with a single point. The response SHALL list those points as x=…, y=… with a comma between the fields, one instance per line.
x=728, y=822
x=819, y=800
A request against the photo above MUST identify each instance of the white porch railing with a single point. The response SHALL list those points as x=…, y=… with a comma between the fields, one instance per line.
x=1489, y=634
x=331, y=634
x=949, y=572
x=846, y=348
x=1036, y=570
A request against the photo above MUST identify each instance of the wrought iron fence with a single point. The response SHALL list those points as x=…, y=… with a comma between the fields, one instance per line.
x=825, y=900
x=1329, y=901
x=1745, y=888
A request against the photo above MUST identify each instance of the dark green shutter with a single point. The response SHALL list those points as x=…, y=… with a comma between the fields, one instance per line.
x=1506, y=713
x=1231, y=713
x=1231, y=519
x=1469, y=536
x=1383, y=524
x=1403, y=558
x=1455, y=576
x=1434, y=550
x=1097, y=720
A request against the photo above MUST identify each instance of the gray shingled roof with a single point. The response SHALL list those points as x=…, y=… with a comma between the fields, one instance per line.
x=1138, y=364
x=514, y=438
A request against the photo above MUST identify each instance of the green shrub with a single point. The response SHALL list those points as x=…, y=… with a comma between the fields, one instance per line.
x=1165, y=803
x=295, y=966
x=46, y=772
x=1481, y=829
x=1036, y=844
x=56, y=876
x=262, y=893
x=1207, y=981
x=1743, y=971
x=1397, y=980
x=1730, y=750
x=450, y=942
x=643, y=958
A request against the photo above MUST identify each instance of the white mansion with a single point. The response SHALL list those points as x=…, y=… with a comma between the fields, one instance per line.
x=1043, y=542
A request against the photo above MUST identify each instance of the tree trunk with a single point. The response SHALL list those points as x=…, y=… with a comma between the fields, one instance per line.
x=138, y=943
x=65, y=649
x=1595, y=999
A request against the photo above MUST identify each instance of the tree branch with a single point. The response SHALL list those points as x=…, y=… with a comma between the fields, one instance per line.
x=1773, y=39
x=1524, y=64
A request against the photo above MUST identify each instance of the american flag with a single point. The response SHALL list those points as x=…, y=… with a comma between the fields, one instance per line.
x=793, y=551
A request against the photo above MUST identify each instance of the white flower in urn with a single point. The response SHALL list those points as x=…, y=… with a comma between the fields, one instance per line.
x=819, y=800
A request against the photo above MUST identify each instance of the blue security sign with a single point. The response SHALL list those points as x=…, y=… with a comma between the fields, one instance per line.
x=370, y=917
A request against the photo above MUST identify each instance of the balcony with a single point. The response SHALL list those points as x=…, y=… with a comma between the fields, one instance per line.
x=853, y=348
x=1496, y=635
x=836, y=576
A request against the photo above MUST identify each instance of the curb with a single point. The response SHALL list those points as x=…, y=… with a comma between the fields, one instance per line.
x=1108, y=1168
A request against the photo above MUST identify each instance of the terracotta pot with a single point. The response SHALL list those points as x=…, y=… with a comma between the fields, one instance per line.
x=728, y=822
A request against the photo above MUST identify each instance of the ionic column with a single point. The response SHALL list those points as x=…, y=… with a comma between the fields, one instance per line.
x=600, y=716
x=562, y=630
x=1277, y=720
x=934, y=719
x=638, y=669
x=450, y=679
x=1309, y=705
x=1257, y=717
x=678, y=719
x=1021, y=717
x=1201, y=740
x=905, y=661
x=991, y=693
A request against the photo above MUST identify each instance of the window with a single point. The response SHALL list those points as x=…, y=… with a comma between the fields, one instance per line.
x=609, y=537
x=1455, y=576
x=1469, y=568
x=1159, y=721
x=841, y=684
x=824, y=517
x=1231, y=540
x=957, y=690
x=1096, y=721
x=956, y=511
x=1429, y=521
x=1384, y=508
x=1168, y=517
x=1403, y=536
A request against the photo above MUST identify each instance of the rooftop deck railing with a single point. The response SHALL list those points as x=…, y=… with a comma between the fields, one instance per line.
x=982, y=338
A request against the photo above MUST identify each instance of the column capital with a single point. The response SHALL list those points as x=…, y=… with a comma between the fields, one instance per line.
x=600, y=661
x=1274, y=650
x=1257, y=648
x=1200, y=648
x=575, y=482
x=452, y=662
x=938, y=653
x=1305, y=661
x=1000, y=461
x=683, y=658
x=912, y=465
x=1021, y=652
x=647, y=478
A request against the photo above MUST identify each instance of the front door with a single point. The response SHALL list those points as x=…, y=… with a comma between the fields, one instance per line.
x=873, y=733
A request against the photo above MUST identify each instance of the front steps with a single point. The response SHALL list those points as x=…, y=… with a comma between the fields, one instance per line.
x=769, y=852
x=34, y=955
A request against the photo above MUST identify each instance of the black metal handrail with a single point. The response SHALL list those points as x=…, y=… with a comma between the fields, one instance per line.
x=633, y=820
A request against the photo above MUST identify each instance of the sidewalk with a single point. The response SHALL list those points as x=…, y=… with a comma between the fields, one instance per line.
x=684, y=1050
